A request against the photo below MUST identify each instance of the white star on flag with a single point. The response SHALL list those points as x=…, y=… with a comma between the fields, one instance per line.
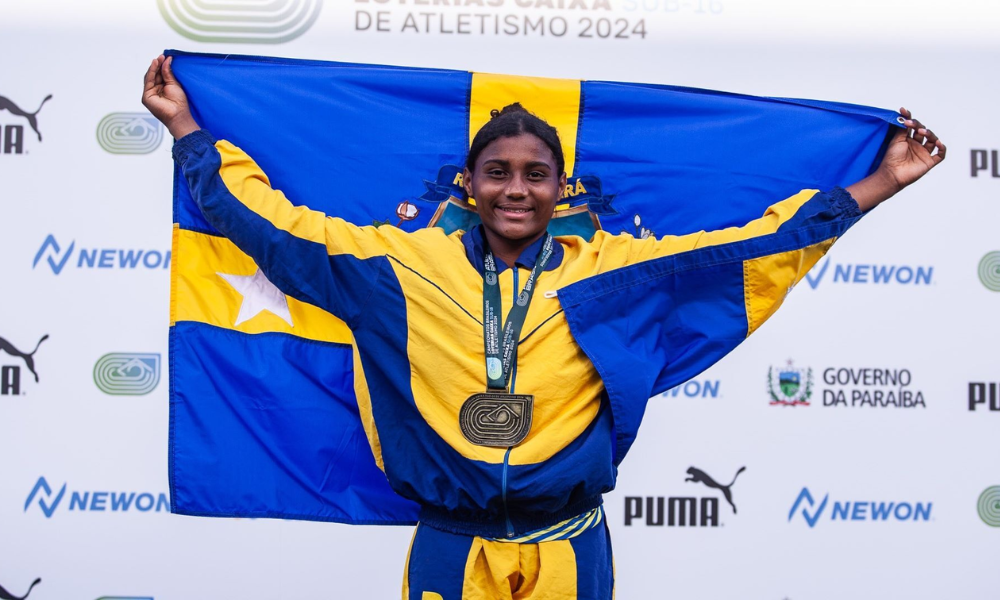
x=259, y=294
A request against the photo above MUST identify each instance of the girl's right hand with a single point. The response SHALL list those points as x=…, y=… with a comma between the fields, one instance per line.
x=164, y=97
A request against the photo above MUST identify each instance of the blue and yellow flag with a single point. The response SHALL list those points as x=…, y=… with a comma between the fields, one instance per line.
x=263, y=417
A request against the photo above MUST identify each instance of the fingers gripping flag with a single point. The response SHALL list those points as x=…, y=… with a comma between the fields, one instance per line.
x=263, y=417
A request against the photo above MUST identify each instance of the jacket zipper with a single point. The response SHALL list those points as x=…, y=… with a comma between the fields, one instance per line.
x=506, y=456
x=506, y=514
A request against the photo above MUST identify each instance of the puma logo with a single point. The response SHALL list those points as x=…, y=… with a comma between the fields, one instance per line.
x=29, y=360
x=699, y=476
x=5, y=595
x=7, y=104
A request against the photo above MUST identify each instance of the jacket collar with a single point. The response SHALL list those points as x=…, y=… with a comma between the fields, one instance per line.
x=474, y=243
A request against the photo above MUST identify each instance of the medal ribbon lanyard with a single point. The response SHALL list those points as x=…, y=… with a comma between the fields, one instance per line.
x=500, y=353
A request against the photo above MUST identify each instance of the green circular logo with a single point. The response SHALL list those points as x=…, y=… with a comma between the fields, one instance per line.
x=240, y=21
x=989, y=271
x=129, y=133
x=989, y=506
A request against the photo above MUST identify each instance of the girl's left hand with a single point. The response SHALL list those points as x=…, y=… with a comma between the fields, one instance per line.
x=911, y=153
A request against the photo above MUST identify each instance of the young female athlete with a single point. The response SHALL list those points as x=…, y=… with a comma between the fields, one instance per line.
x=507, y=427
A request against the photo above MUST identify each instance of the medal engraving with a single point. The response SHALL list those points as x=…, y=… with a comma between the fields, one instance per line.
x=496, y=419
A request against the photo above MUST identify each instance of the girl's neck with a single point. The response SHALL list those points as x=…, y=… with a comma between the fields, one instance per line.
x=506, y=249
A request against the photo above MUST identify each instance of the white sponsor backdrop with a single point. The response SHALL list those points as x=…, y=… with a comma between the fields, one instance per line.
x=937, y=58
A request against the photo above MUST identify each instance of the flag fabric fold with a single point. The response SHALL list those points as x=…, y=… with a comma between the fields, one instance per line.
x=263, y=417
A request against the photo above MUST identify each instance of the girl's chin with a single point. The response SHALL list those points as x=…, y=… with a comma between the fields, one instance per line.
x=518, y=233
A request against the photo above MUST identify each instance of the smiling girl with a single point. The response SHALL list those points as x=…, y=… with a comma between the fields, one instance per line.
x=478, y=397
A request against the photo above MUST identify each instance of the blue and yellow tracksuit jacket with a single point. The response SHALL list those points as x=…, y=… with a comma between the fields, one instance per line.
x=613, y=321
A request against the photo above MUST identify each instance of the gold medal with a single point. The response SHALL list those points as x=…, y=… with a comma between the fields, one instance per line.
x=496, y=419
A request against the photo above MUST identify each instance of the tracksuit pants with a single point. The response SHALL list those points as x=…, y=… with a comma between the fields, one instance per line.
x=448, y=566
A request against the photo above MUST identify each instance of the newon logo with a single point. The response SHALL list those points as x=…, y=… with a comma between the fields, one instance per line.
x=240, y=21
x=989, y=506
x=53, y=254
x=989, y=271
x=49, y=500
x=694, y=388
x=12, y=132
x=46, y=498
x=10, y=366
x=682, y=511
x=129, y=133
x=812, y=511
x=58, y=257
x=870, y=274
x=985, y=162
x=5, y=595
x=127, y=374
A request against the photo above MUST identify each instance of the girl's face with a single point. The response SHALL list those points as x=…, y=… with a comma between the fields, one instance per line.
x=516, y=187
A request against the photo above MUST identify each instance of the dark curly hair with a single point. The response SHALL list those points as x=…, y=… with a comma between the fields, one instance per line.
x=513, y=121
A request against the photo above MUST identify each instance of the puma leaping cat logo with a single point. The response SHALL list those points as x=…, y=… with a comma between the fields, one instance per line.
x=29, y=359
x=699, y=476
x=7, y=104
x=5, y=595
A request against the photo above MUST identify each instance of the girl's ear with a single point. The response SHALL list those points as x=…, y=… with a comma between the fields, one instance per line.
x=467, y=182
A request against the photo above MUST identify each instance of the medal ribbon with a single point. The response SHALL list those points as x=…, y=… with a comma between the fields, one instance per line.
x=500, y=353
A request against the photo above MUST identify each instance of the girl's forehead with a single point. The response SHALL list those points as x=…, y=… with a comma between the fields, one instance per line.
x=524, y=147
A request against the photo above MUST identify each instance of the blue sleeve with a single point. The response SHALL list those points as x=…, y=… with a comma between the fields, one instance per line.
x=660, y=321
